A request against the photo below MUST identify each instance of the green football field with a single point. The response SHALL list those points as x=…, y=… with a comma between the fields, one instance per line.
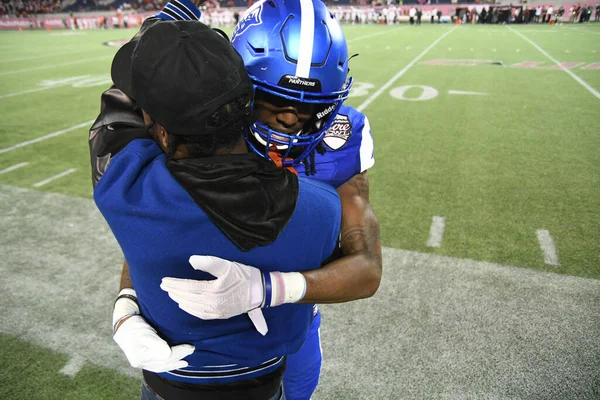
x=487, y=148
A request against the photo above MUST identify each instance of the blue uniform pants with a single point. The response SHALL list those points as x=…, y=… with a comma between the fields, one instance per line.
x=148, y=394
x=303, y=368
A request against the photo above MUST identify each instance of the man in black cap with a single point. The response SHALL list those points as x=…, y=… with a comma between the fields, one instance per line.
x=187, y=185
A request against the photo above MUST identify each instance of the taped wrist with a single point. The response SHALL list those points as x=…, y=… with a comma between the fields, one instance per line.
x=126, y=305
x=282, y=288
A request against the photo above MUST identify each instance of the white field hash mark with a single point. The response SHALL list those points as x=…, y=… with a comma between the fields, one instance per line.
x=389, y=83
x=436, y=232
x=55, y=177
x=73, y=366
x=460, y=92
x=547, y=246
x=12, y=168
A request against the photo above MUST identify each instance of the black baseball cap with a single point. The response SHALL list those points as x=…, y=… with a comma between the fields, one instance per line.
x=180, y=73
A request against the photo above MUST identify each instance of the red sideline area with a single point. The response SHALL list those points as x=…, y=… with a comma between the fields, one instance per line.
x=82, y=21
x=94, y=20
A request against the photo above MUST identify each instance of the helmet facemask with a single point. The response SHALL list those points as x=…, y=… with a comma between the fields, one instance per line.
x=295, y=147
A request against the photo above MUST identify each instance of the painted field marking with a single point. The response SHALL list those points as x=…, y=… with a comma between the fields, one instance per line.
x=371, y=35
x=16, y=71
x=446, y=284
x=427, y=93
x=76, y=81
x=578, y=79
x=389, y=83
x=583, y=30
x=547, y=246
x=4, y=96
x=360, y=89
x=46, y=55
x=73, y=366
x=436, y=232
x=12, y=168
x=464, y=92
x=55, y=177
x=67, y=34
x=48, y=136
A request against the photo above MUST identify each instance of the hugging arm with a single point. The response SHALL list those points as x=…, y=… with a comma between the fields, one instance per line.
x=357, y=273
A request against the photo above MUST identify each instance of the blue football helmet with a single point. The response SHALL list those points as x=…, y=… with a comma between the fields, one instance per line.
x=294, y=50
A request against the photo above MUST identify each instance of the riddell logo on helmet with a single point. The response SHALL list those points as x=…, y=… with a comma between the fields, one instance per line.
x=325, y=111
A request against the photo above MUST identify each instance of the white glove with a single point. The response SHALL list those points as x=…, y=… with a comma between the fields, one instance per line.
x=238, y=289
x=140, y=342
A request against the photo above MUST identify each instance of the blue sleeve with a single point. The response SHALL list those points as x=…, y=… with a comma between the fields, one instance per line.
x=179, y=10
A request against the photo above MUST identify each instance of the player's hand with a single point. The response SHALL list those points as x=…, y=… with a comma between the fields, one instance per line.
x=140, y=342
x=237, y=289
x=145, y=349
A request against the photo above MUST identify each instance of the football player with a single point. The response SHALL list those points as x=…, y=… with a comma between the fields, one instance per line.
x=296, y=56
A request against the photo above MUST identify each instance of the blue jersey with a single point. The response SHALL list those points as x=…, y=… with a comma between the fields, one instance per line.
x=158, y=226
x=349, y=146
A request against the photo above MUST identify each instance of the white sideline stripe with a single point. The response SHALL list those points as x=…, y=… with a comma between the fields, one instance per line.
x=16, y=166
x=55, y=177
x=307, y=38
x=73, y=366
x=371, y=35
x=547, y=246
x=389, y=83
x=578, y=79
x=54, y=65
x=27, y=91
x=436, y=232
x=48, y=136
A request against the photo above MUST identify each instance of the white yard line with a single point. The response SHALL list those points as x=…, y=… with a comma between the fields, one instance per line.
x=547, y=246
x=26, y=91
x=389, y=83
x=48, y=136
x=46, y=55
x=578, y=79
x=12, y=168
x=581, y=30
x=436, y=232
x=16, y=71
x=55, y=177
x=73, y=366
x=372, y=34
